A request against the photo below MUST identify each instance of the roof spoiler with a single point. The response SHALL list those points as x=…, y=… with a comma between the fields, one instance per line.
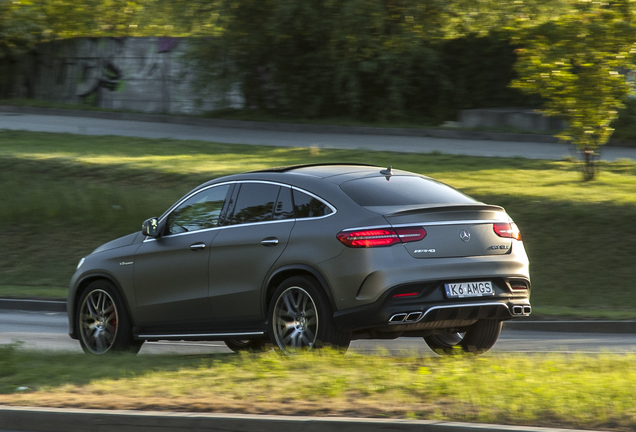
x=434, y=208
x=293, y=167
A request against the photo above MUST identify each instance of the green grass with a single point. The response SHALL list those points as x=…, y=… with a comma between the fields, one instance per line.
x=63, y=195
x=35, y=292
x=568, y=391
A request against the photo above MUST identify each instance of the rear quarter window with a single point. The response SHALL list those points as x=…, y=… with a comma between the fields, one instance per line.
x=402, y=190
x=306, y=206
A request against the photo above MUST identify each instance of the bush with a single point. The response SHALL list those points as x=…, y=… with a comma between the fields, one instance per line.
x=372, y=60
x=625, y=124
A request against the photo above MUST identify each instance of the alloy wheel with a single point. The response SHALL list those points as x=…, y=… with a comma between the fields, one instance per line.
x=98, y=321
x=295, y=320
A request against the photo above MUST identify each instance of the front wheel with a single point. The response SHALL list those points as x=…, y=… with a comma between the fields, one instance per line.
x=477, y=339
x=300, y=318
x=102, y=321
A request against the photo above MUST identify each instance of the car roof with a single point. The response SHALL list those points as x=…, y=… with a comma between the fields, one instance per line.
x=344, y=171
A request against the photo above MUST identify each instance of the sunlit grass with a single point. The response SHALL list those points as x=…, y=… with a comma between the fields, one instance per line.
x=45, y=292
x=553, y=180
x=571, y=391
x=63, y=195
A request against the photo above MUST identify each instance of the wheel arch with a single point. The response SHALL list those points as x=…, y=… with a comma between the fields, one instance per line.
x=283, y=273
x=81, y=286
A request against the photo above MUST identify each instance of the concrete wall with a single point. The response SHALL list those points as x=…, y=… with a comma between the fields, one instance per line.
x=517, y=118
x=140, y=74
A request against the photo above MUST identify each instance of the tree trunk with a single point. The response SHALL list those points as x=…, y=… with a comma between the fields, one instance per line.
x=589, y=168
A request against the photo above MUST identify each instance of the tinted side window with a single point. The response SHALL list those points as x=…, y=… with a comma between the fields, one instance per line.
x=307, y=206
x=255, y=203
x=200, y=211
x=284, y=208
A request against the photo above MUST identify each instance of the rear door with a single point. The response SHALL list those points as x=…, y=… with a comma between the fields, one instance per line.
x=255, y=233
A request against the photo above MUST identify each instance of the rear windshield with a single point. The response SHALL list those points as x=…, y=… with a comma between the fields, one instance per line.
x=402, y=190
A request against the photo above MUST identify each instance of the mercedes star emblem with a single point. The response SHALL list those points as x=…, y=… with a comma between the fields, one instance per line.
x=464, y=235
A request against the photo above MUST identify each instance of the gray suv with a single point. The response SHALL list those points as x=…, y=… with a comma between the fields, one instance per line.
x=306, y=256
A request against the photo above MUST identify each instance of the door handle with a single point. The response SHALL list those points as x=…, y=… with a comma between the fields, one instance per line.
x=197, y=246
x=269, y=241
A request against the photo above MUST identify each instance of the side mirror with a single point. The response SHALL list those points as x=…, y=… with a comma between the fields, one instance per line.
x=150, y=227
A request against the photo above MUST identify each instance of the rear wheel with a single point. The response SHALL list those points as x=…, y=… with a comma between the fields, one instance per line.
x=102, y=321
x=246, y=345
x=477, y=339
x=300, y=318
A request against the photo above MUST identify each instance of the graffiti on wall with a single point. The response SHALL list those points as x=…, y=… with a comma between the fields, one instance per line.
x=98, y=73
x=140, y=74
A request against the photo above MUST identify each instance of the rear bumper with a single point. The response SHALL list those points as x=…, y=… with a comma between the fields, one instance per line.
x=430, y=310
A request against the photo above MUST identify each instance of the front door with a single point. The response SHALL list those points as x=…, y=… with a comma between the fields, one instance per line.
x=171, y=272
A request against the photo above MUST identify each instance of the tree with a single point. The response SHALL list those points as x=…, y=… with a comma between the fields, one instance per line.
x=26, y=23
x=20, y=30
x=576, y=63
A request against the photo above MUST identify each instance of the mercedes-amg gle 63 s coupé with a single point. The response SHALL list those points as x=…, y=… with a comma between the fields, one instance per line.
x=303, y=257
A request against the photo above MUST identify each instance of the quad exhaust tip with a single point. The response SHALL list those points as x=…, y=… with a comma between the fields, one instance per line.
x=397, y=318
x=409, y=317
x=521, y=309
x=413, y=316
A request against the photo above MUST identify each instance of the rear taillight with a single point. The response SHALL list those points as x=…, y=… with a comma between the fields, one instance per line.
x=369, y=238
x=381, y=236
x=410, y=234
x=507, y=230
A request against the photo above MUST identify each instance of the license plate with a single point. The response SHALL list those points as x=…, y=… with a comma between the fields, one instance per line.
x=469, y=289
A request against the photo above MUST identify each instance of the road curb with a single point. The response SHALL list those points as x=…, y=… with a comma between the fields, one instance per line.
x=573, y=326
x=33, y=305
x=287, y=127
x=80, y=420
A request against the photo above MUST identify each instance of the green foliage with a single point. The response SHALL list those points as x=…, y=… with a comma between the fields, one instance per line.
x=377, y=59
x=576, y=64
x=625, y=124
x=478, y=70
x=366, y=59
x=20, y=29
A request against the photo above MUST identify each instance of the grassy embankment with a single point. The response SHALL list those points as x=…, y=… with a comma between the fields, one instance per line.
x=570, y=391
x=63, y=195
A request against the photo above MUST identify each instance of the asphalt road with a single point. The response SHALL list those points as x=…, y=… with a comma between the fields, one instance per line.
x=48, y=331
x=406, y=144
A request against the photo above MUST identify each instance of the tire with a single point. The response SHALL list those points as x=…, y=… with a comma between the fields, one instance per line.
x=102, y=321
x=247, y=345
x=477, y=339
x=300, y=318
